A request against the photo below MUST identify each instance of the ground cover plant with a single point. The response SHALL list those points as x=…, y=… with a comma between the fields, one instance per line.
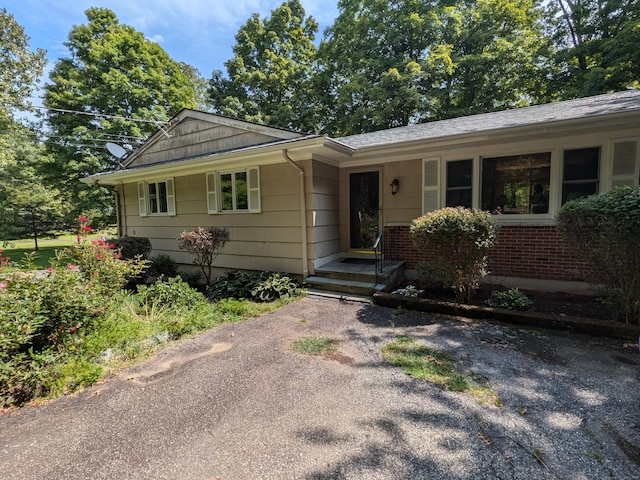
x=436, y=366
x=513, y=299
x=256, y=286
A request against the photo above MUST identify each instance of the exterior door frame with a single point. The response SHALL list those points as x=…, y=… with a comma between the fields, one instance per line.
x=349, y=172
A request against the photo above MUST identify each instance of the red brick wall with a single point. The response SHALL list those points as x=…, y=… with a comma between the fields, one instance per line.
x=521, y=251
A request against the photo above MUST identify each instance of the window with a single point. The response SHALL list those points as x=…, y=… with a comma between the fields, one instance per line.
x=516, y=184
x=156, y=198
x=459, y=183
x=237, y=191
x=580, y=173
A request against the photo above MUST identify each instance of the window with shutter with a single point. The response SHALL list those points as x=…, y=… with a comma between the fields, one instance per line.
x=236, y=191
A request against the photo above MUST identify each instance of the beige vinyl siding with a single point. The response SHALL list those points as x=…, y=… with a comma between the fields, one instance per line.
x=405, y=205
x=325, y=219
x=270, y=240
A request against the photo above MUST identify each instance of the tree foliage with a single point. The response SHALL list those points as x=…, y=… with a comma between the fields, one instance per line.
x=605, y=228
x=269, y=77
x=125, y=85
x=598, y=46
x=390, y=63
x=20, y=68
x=28, y=207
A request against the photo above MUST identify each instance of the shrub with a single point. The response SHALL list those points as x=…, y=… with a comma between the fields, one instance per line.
x=256, y=286
x=102, y=265
x=605, y=230
x=512, y=299
x=205, y=244
x=460, y=240
x=430, y=274
x=162, y=265
x=233, y=284
x=171, y=292
x=132, y=247
x=194, y=279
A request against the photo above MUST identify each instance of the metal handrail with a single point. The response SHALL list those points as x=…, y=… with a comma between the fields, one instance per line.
x=378, y=252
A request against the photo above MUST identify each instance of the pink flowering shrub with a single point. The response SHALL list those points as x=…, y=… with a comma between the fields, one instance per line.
x=205, y=245
x=44, y=314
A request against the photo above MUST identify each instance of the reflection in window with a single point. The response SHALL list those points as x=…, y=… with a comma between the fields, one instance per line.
x=580, y=173
x=517, y=184
x=459, y=185
x=158, y=197
x=234, y=191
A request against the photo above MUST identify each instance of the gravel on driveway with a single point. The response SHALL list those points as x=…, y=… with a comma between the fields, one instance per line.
x=237, y=403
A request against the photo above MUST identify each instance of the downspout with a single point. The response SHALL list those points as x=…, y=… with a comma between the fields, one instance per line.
x=303, y=214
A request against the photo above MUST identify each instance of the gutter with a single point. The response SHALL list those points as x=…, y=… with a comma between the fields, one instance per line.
x=303, y=214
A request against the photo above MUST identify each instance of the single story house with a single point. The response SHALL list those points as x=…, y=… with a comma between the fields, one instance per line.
x=296, y=202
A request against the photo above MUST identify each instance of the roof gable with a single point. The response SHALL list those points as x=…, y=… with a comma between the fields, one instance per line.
x=192, y=134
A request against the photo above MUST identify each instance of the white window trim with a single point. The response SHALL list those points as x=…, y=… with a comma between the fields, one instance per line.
x=214, y=205
x=143, y=198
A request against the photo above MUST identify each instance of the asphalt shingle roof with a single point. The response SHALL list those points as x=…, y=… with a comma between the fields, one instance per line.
x=618, y=102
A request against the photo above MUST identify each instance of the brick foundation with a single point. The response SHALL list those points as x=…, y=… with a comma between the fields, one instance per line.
x=521, y=251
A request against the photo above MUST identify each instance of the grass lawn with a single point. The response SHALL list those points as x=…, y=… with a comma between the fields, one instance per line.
x=46, y=248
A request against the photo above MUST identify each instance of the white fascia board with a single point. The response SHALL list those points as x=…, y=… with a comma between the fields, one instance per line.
x=250, y=156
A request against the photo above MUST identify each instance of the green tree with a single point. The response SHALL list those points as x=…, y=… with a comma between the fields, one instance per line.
x=28, y=207
x=490, y=55
x=20, y=68
x=370, y=64
x=124, y=85
x=598, y=44
x=390, y=63
x=269, y=77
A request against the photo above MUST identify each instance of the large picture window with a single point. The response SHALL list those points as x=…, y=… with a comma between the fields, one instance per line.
x=580, y=173
x=517, y=184
x=237, y=191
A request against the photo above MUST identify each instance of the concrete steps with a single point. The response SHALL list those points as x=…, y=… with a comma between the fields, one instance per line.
x=355, y=276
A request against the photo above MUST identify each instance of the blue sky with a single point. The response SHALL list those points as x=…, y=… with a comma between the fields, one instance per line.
x=198, y=32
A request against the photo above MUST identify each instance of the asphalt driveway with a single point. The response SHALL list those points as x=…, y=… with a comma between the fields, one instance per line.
x=237, y=403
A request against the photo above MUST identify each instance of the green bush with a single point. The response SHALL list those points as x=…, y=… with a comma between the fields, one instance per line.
x=604, y=231
x=132, y=247
x=194, y=279
x=512, y=299
x=459, y=240
x=256, y=286
x=172, y=292
x=162, y=265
